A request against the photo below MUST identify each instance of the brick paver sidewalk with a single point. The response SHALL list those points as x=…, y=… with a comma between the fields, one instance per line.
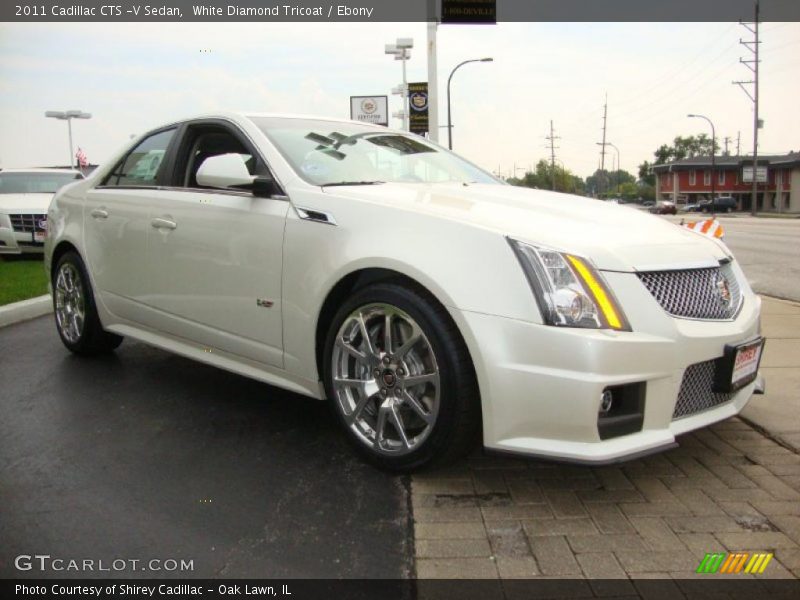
x=726, y=488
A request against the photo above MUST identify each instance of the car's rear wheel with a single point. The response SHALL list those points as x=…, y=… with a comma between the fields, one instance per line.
x=400, y=378
x=75, y=311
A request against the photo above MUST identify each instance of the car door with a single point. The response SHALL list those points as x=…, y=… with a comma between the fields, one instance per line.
x=116, y=225
x=216, y=254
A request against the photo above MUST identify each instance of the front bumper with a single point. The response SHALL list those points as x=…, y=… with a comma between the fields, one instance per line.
x=18, y=242
x=542, y=386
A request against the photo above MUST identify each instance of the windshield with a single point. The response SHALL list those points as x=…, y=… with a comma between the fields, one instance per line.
x=35, y=183
x=335, y=153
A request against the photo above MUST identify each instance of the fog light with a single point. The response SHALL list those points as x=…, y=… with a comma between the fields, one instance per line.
x=606, y=402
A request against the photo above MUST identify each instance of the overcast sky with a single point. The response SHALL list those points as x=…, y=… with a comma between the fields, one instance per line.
x=132, y=77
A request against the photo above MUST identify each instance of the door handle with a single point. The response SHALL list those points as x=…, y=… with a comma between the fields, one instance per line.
x=162, y=223
x=99, y=213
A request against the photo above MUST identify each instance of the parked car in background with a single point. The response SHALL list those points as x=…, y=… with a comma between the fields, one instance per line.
x=428, y=301
x=664, y=207
x=695, y=207
x=722, y=204
x=25, y=195
x=648, y=203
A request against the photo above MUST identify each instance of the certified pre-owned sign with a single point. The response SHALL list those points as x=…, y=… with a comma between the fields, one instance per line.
x=370, y=109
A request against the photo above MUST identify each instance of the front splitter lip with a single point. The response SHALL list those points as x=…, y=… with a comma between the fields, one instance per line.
x=626, y=447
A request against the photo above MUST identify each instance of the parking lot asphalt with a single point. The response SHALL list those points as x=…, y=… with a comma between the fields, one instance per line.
x=145, y=455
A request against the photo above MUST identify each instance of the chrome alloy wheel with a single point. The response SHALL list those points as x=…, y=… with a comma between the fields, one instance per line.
x=70, y=304
x=385, y=379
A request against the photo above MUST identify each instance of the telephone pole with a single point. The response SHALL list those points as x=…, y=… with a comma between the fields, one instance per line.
x=752, y=64
x=727, y=139
x=738, y=141
x=603, y=143
x=552, y=139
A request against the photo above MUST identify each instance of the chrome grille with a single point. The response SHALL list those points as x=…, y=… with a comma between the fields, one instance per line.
x=695, y=293
x=697, y=393
x=28, y=223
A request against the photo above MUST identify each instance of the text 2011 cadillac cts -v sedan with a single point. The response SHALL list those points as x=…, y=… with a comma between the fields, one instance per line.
x=428, y=301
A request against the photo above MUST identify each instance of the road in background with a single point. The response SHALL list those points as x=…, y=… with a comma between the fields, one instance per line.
x=768, y=250
x=144, y=454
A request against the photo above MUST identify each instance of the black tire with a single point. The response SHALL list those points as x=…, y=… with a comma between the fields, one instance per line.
x=457, y=426
x=90, y=339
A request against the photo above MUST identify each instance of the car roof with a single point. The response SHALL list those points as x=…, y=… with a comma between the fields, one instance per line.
x=234, y=115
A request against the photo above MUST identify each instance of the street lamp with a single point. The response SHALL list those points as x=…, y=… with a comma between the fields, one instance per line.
x=401, y=50
x=713, y=152
x=68, y=115
x=449, y=122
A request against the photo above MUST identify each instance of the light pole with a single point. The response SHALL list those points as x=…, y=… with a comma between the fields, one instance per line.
x=713, y=152
x=449, y=121
x=401, y=50
x=68, y=115
x=619, y=167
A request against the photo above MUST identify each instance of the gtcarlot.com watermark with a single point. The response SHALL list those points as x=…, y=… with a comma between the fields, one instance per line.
x=48, y=563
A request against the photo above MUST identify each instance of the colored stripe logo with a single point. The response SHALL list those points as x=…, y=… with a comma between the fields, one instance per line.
x=753, y=563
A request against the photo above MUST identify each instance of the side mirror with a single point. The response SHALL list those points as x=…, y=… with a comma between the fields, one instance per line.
x=224, y=171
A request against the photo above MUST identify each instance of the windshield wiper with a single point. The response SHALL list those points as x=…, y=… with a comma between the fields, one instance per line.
x=350, y=183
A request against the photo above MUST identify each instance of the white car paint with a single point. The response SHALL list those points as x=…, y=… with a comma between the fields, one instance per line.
x=193, y=290
x=33, y=205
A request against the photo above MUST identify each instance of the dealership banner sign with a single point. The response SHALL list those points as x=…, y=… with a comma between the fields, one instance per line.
x=469, y=12
x=418, y=107
x=370, y=109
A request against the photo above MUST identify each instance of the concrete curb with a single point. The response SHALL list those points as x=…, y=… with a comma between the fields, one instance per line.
x=25, y=309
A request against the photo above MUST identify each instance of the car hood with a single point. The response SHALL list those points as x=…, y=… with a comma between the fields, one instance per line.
x=614, y=237
x=25, y=203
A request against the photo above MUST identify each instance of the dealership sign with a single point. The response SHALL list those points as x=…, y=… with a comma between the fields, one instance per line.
x=370, y=109
x=470, y=12
x=418, y=107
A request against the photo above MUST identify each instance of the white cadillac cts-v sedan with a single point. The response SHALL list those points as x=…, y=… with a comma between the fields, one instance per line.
x=428, y=301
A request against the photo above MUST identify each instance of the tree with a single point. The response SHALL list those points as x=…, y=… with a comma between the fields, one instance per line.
x=605, y=183
x=542, y=178
x=646, y=175
x=681, y=148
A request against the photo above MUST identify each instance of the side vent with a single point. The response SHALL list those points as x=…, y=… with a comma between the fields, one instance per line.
x=310, y=214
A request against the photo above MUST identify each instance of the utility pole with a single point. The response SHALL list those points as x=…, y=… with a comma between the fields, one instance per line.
x=727, y=139
x=603, y=143
x=752, y=64
x=738, y=142
x=552, y=139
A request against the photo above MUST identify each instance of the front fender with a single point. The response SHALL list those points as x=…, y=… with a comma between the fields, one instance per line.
x=463, y=266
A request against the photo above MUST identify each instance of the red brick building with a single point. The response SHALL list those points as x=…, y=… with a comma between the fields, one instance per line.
x=688, y=181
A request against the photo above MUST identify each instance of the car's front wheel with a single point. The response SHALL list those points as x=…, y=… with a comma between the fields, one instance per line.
x=400, y=378
x=75, y=311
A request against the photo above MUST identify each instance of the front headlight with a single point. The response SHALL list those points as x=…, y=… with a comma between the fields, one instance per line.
x=570, y=292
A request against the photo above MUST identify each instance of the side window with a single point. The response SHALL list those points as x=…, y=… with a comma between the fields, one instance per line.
x=207, y=142
x=140, y=167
